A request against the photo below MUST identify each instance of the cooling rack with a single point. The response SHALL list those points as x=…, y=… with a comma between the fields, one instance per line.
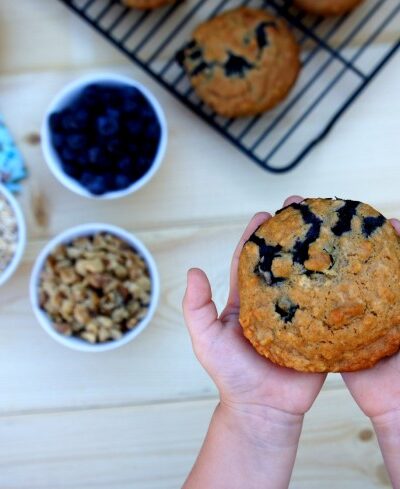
x=340, y=57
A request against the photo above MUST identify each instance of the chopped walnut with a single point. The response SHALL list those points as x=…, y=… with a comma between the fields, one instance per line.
x=8, y=233
x=81, y=314
x=63, y=328
x=96, y=288
x=68, y=275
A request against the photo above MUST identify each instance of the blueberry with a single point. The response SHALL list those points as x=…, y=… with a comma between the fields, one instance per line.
x=67, y=155
x=262, y=34
x=147, y=112
x=113, y=114
x=86, y=178
x=143, y=162
x=132, y=93
x=114, y=147
x=125, y=165
x=55, y=122
x=75, y=118
x=345, y=216
x=142, y=165
x=153, y=131
x=97, y=157
x=132, y=100
x=83, y=159
x=97, y=185
x=76, y=141
x=71, y=170
x=267, y=255
x=200, y=67
x=134, y=127
x=133, y=149
x=109, y=178
x=131, y=105
x=57, y=140
x=91, y=95
x=149, y=149
x=371, y=224
x=94, y=154
x=287, y=312
x=180, y=57
x=237, y=66
x=82, y=118
x=122, y=181
x=69, y=122
x=110, y=96
x=107, y=126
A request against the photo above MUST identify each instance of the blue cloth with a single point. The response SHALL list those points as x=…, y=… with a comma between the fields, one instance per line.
x=12, y=168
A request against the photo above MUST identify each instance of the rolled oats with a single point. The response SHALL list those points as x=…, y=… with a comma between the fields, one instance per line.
x=96, y=288
x=8, y=233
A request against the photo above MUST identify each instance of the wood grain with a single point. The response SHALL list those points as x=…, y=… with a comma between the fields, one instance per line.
x=153, y=447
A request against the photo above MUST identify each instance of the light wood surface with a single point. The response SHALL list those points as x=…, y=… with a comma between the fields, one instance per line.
x=136, y=417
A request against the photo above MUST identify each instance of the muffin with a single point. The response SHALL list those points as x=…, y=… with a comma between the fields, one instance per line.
x=319, y=286
x=327, y=7
x=146, y=4
x=242, y=62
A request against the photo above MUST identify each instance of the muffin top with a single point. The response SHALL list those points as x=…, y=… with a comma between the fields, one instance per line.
x=319, y=286
x=242, y=62
x=327, y=7
x=146, y=4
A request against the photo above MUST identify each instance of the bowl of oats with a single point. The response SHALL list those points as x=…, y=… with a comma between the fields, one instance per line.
x=12, y=234
x=94, y=287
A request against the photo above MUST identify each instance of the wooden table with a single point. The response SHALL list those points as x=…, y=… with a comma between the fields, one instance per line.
x=135, y=417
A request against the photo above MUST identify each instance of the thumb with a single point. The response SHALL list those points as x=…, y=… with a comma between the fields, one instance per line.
x=199, y=310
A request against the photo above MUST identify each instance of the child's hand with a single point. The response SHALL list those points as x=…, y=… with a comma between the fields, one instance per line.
x=377, y=390
x=246, y=381
x=273, y=398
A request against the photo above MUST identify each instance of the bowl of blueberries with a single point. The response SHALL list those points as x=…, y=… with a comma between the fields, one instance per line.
x=104, y=136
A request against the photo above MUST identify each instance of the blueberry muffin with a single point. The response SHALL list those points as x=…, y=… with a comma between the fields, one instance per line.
x=146, y=4
x=319, y=287
x=327, y=7
x=242, y=62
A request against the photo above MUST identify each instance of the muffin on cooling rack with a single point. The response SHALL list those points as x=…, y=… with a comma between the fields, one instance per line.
x=146, y=4
x=327, y=7
x=319, y=286
x=242, y=62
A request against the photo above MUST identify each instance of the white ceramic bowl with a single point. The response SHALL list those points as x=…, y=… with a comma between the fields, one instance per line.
x=66, y=237
x=64, y=98
x=12, y=266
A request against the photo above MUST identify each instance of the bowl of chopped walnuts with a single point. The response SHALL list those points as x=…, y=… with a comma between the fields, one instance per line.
x=12, y=234
x=94, y=287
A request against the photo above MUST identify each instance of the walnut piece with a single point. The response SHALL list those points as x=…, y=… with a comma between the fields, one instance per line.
x=8, y=233
x=96, y=288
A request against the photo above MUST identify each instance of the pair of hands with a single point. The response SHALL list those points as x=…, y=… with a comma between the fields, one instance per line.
x=248, y=382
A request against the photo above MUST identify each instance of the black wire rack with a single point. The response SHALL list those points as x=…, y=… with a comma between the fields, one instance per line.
x=340, y=57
